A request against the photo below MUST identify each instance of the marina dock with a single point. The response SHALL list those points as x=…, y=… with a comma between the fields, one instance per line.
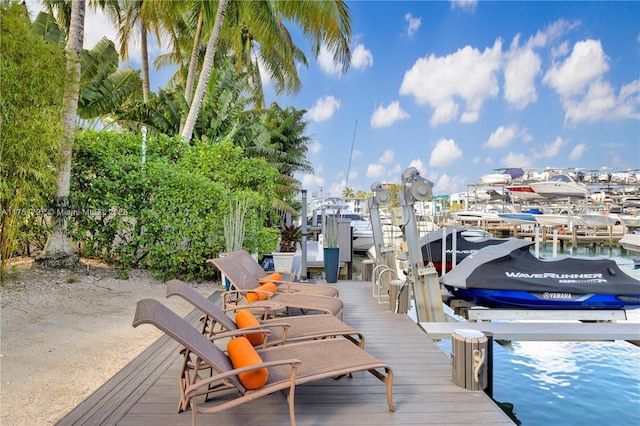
x=541, y=331
x=146, y=391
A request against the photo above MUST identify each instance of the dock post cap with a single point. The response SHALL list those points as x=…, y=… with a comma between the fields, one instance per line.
x=471, y=334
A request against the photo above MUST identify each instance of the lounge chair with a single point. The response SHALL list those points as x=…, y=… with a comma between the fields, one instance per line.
x=281, y=330
x=243, y=283
x=283, y=285
x=295, y=328
x=287, y=366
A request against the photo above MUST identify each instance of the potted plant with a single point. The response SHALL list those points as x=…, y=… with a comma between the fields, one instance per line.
x=331, y=249
x=290, y=236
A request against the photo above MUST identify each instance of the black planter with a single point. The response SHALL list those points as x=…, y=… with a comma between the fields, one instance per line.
x=331, y=263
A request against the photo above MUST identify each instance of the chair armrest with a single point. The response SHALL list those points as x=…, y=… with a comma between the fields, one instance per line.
x=239, y=332
x=192, y=390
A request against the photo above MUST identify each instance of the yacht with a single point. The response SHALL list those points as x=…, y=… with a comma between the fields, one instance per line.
x=362, y=232
x=561, y=185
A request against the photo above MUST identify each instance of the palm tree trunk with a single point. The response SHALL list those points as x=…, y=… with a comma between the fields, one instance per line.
x=193, y=62
x=194, y=109
x=58, y=251
x=145, y=63
x=193, y=65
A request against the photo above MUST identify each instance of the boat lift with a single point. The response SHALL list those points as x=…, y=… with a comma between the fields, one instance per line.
x=425, y=283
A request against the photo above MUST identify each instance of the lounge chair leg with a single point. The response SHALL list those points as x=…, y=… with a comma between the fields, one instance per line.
x=389, y=382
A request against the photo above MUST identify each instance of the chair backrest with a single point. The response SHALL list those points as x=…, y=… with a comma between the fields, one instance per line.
x=248, y=263
x=150, y=311
x=237, y=275
x=188, y=293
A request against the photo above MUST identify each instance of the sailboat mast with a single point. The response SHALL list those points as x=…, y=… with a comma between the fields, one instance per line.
x=353, y=140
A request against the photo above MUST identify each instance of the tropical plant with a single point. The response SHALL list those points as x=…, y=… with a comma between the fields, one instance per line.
x=168, y=214
x=234, y=225
x=33, y=77
x=58, y=251
x=331, y=231
x=290, y=236
x=325, y=23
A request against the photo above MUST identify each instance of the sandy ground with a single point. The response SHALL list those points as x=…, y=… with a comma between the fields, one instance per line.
x=65, y=333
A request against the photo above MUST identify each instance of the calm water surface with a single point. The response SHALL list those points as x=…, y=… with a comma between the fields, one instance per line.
x=571, y=383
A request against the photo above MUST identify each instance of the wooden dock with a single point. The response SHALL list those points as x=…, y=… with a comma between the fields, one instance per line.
x=541, y=331
x=146, y=392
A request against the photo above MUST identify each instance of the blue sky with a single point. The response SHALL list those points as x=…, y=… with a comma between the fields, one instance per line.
x=458, y=89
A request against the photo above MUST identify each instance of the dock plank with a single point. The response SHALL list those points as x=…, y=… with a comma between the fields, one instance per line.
x=541, y=331
x=423, y=390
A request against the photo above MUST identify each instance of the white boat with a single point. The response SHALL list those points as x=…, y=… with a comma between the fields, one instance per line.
x=630, y=221
x=525, y=218
x=560, y=186
x=496, y=179
x=362, y=232
x=561, y=218
x=596, y=219
x=523, y=192
x=631, y=242
x=481, y=213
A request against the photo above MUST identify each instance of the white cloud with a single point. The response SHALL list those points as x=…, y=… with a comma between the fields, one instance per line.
x=523, y=64
x=549, y=150
x=468, y=74
x=387, y=157
x=586, y=64
x=375, y=170
x=445, y=153
x=577, y=151
x=414, y=24
x=551, y=33
x=585, y=94
x=469, y=5
x=601, y=103
x=383, y=117
x=314, y=147
x=312, y=182
x=501, y=137
x=327, y=64
x=517, y=160
x=520, y=71
x=323, y=109
x=361, y=57
x=419, y=165
x=448, y=185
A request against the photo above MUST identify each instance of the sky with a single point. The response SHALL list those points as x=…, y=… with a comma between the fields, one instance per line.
x=458, y=89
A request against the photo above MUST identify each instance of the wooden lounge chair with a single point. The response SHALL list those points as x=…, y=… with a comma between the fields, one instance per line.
x=284, y=285
x=242, y=283
x=287, y=329
x=287, y=365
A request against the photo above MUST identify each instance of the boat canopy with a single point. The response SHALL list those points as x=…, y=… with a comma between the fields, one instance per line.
x=511, y=266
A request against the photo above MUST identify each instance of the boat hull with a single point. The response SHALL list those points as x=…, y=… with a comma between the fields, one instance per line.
x=544, y=300
x=631, y=242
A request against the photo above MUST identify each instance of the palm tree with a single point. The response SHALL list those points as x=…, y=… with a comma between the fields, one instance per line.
x=58, y=251
x=196, y=103
x=348, y=192
x=324, y=23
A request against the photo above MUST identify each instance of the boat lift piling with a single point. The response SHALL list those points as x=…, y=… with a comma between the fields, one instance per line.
x=303, y=244
x=426, y=286
x=385, y=257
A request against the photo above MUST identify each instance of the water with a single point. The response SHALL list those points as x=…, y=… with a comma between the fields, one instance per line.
x=571, y=383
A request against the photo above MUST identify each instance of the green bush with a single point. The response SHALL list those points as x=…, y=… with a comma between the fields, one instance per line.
x=168, y=214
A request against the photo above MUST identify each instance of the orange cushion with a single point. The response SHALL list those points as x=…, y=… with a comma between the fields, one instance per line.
x=252, y=297
x=242, y=354
x=245, y=319
x=275, y=276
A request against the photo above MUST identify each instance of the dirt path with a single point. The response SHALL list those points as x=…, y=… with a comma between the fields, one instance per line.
x=63, y=334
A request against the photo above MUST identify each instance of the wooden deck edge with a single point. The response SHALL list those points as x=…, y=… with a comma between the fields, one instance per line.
x=111, y=401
